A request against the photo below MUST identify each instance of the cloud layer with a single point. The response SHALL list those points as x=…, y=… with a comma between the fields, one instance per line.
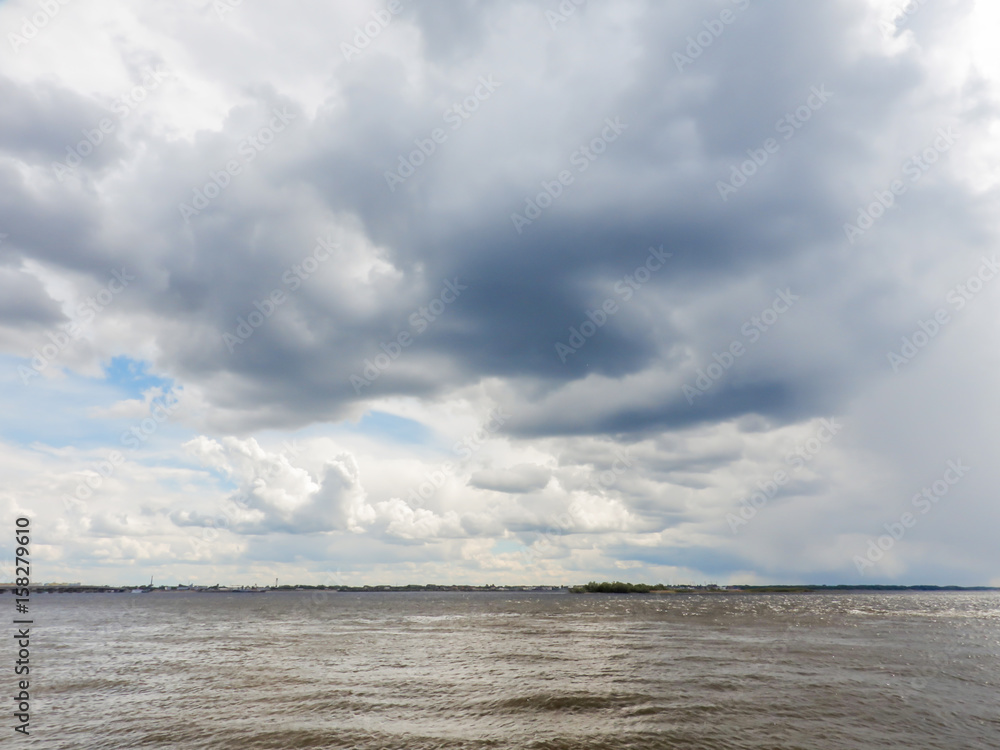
x=664, y=242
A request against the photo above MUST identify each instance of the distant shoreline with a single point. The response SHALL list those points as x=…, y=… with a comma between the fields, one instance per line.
x=592, y=588
x=618, y=587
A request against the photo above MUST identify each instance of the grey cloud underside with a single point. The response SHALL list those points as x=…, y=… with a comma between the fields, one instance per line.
x=40, y=121
x=515, y=479
x=24, y=303
x=654, y=186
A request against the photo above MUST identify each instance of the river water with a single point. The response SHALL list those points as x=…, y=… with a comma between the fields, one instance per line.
x=550, y=671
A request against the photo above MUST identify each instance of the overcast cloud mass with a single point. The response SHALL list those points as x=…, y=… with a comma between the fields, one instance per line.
x=448, y=291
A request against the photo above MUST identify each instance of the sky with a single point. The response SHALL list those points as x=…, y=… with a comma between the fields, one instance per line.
x=521, y=292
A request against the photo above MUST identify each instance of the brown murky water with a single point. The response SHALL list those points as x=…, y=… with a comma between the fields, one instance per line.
x=498, y=670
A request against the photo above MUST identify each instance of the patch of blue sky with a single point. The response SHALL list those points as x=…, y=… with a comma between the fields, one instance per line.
x=505, y=546
x=382, y=425
x=132, y=377
x=207, y=477
x=378, y=425
x=57, y=411
x=53, y=411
